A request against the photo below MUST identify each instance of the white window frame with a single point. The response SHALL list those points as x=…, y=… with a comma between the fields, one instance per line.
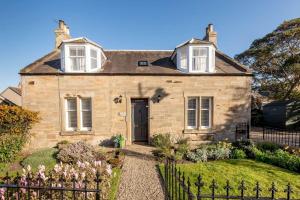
x=196, y=112
x=209, y=111
x=81, y=115
x=84, y=57
x=98, y=59
x=183, y=58
x=68, y=128
x=206, y=68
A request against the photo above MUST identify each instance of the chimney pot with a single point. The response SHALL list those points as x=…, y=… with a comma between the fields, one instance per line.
x=211, y=35
x=61, y=33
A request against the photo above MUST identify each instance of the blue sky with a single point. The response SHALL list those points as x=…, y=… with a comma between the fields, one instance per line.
x=26, y=27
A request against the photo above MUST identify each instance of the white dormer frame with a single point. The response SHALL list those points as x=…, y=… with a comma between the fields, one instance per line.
x=189, y=49
x=65, y=57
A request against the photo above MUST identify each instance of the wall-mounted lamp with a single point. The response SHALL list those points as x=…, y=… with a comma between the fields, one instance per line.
x=118, y=99
x=158, y=98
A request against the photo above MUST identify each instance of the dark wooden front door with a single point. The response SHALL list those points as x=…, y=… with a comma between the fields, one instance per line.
x=139, y=118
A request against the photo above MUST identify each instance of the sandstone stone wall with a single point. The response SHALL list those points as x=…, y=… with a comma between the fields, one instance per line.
x=47, y=93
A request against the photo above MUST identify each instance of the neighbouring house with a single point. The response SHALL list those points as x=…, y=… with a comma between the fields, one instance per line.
x=11, y=96
x=86, y=92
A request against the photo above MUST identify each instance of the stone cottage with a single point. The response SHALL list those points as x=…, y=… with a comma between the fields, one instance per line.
x=86, y=92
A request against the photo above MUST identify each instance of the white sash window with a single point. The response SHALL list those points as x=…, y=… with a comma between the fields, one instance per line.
x=77, y=58
x=200, y=59
x=199, y=112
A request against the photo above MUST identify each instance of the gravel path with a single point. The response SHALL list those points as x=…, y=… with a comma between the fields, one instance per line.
x=140, y=178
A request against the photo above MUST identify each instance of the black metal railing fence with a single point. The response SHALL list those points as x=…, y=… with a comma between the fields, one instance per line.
x=20, y=187
x=178, y=186
x=287, y=137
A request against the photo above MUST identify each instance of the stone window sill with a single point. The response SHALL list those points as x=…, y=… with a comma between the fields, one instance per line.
x=197, y=131
x=75, y=133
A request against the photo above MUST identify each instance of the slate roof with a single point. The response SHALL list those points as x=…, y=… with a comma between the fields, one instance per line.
x=126, y=62
x=16, y=90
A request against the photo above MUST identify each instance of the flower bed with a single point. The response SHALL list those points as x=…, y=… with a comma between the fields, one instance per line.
x=70, y=166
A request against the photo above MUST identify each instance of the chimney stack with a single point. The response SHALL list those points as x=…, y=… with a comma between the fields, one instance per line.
x=61, y=33
x=211, y=35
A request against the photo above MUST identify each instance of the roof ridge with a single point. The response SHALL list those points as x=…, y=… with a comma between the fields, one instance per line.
x=145, y=50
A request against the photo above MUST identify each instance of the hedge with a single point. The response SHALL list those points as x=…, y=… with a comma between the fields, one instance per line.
x=15, y=123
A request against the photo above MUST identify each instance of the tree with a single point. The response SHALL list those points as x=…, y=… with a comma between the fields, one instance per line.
x=275, y=61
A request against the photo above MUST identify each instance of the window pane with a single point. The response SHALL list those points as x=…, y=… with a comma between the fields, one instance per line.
x=192, y=118
x=80, y=51
x=196, y=52
x=205, y=118
x=86, y=104
x=86, y=112
x=71, y=113
x=93, y=63
x=203, y=51
x=93, y=53
x=72, y=119
x=196, y=63
x=205, y=103
x=205, y=112
x=86, y=119
x=71, y=104
x=192, y=103
x=77, y=63
x=192, y=112
x=73, y=51
x=183, y=58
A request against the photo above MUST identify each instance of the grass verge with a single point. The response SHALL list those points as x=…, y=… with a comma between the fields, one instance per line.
x=115, y=181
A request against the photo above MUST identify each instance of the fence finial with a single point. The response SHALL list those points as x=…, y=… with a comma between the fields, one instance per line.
x=289, y=191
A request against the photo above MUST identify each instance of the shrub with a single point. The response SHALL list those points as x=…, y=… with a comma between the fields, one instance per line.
x=162, y=141
x=79, y=151
x=62, y=144
x=200, y=155
x=247, y=146
x=218, y=151
x=15, y=123
x=182, y=146
x=45, y=157
x=268, y=146
x=238, y=154
x=279, y=158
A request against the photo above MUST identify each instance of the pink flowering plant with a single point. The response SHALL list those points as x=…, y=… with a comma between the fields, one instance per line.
x=79, y=176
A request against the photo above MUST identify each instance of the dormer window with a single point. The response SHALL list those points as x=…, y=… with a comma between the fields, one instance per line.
x=195, y=56
x=200, y=59
x=81, y=55
x=77, y=59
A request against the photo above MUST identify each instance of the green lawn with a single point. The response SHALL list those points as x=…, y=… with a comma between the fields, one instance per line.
x=44, y=156
x=236, y=170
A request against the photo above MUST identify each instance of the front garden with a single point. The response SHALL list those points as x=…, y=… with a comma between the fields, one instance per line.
x=69, y=169
x=262, y=163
